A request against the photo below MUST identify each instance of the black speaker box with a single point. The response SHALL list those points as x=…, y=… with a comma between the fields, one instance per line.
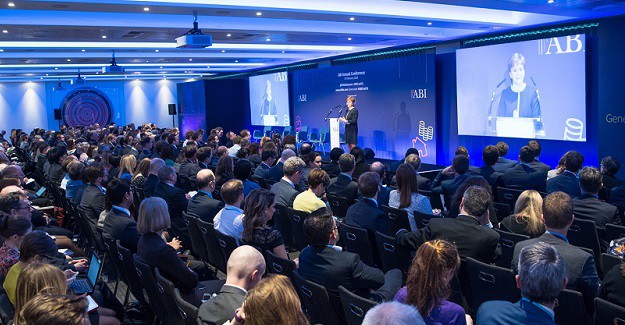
x=57, y=114
x=172, y=109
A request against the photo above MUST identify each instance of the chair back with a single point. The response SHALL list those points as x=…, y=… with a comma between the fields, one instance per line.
x=503, y=210
x=569, y=308
x=7, y=312
x=507, y=241
x=130, y=273
x=397, y=219
x=198, y=246
x=354, y=307
x=214, y=256
x=278, y=265
x=608, y=261
x=392, y=256
x=356, y=240
x=339, y=205
x=508, y=196
x=490, y=282
x=226, y=243
x=613, y=232
x=145, y=273
x=608, y=313
x=166, y=290
x=422, y=219
x=296, y=221
x=282, y=223
x=583, y=233
x=315, y=301
x=189, y=311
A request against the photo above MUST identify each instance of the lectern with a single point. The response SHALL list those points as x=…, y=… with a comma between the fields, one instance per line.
x=335, y=133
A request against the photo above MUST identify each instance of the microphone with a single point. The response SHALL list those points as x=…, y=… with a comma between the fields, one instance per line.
x=501, y=82
x=534, y=82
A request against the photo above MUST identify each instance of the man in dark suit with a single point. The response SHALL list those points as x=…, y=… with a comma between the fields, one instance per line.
x=275, y=173
x=580, y=265
x=268, y=157
x=245, y=268
x=490, y=156
x=324, y=263
x=609, y=167
x=366, y=213
x=343, y=185
x=541, y=277
x=450, y=178
x=503, y=163
x=203, y=156
x=202, y=204
x=469, y=231
x=92, y=201
x=385, y=192
x=589, y=207
x=150, y=183
x=146, y=148
x=423, y=183
x=522, y=176
x=568, y=182
x=333, y=168
x=536, y=164
x=177, y=202
x=118, y=224
x=189, y=167
x=286, y=189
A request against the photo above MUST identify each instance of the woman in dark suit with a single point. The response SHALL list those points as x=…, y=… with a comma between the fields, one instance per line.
x=351, y=122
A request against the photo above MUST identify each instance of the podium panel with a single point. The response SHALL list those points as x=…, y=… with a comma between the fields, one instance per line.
x=335, y=133
x=516, y=127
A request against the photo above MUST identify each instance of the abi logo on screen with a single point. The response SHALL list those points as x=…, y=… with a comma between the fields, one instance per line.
x=418, y=93
x=281, y=76
x=560, y=45
x=302, y=98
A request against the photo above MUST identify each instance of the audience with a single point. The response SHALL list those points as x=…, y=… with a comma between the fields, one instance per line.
x=503, y=163
x=202, y=204
x=309, y=200
x=454, y=209
x=407, y=195
x=286, y=189
x=13, y=229
x=152, y=179
x=612, y=287
x=343, y=185
x=75, y=179
x=385, y=191
x=242, y=172
x=92, y=202
x=536, y=164
x=177, y=202
x=359, y=159
x=524, y=177
x=229, y=220
x=609, y=167
x=490, y=156
x=450, y=178
x=528, y=215
x=393, y=313
x=224, y=170
x=268, y=157
x=118, y=223
x=568, y=181
x=366, y=213
x=275, y=173
x=189, y=167
x=47, y=309
x=332, y=168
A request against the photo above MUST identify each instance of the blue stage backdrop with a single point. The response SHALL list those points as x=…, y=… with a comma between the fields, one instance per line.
x=395, y=99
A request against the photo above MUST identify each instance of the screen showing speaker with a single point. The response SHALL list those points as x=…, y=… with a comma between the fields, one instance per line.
x=269, y=99
x=395, y=101
x=529, y=89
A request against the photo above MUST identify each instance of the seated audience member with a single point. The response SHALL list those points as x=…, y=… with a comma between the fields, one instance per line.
x=176, y=203
x=189, y=167
x=409, y=151
x=536, y=164
x=204, y=157
x=246, y=267
x=268, y=157
x=275, y=173
x=236, y=145
x=589, y=207
x=366, y=213
x=229, y=220
x=312, y=161
x=127, y=167
x=450, y=178
x=524, y=177
x=490, y=156
x=454, y=209
x=503, y=163
x=75, y=179
x=286, y=189
x=469, y=231
x=12, y=229
x=325, y=264
x=612, y=287
x=407, y=195
x=55, y=172
x=609, y=167
x=118, y=223
x=580, y=265
x=254, y=157
x=568, y=181
x=146, y=148
x=428, y=288
x=359, y=159
x=259, y=209
x=309, y=200
x=92, y=202
x=224, y=170
x=219, y=152
x=527, y=218
x=385, y=191
x=424, y=183
x=343, y=185
x=393, y=313
x=202, y=204
x=152, y=179
x=48, y=309
x=541, y=277
x=272, y=301
x=242, y=172
x=332, y=168
x=153, y=250
x=140, y=176
x=560, y=168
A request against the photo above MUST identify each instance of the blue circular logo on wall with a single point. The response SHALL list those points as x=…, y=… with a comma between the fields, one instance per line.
x=86, y=106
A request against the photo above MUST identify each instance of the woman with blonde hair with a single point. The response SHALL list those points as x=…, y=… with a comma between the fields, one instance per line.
x=527, y=218
x=127, y=166
x=272, y=301
x=427, y=288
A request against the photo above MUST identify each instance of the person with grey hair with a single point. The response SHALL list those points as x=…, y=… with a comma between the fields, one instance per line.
x=177, y=202
x=393, y=313
x=542, y=275
x=286, y=189
x=469, y=230
x=384, y=193
x=276, y=172
x=150, y=183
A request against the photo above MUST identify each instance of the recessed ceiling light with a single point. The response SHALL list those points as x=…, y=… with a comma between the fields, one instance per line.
x=160, y=67
x=47, y=74
x=429, y=23
x=283, y=51
x=550, y=1
x=103, y=36
x=259, y=13
x=82, y=50
x=146, y=9
x=1, y=50
x=69, y=60
x=56, y=68
x=156, y=51
x=190, y=59
x=5, y=31
x=148, y=61
x=11, y=4
x=40, y=78
x=229, y=35
x=349, y=38
x=223, y=51
x=236, y=61
x=268, y=39
x=208, y=67
x=352, y=18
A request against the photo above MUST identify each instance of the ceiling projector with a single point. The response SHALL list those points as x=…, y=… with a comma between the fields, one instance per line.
x=113, y=68
x=194, y=38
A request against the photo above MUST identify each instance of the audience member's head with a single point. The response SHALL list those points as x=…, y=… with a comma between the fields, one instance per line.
x=57, y=154
x=542, y=273
x=461, y=150
x=528, y=210
x=393, y=313
x=225, y=166
x=359, y=155
x=378, y=168
x=143, y=168
x=37, y=246
x=286, y=154
x=167, y=174
x=259, y=209
x=318, y=181
x=460, y=164
x=205, y=180
x=49, y=309
x=490, y=155
x=14, y=228
x=347, y=163
x=610, y=166
x=411, y=151
x=470, y=181
x=502, y=148
x=204, y=154
x=268, y=156
x=406, y=184
x=305, y=149
x=475, y=201
x=590, y=179
x=37, y=278
x=574, y=161
x=155, y=165
x=526, y=155
x=534, y=147
x=75, y=170
x=558, y=211
x=369, y=184
x=274, y=301
x=242, y=169
x=293, y=169
x=232, y=192
x=16, y=204
x=320, y=228
x=246, y=267
x=336, y=153
x=153, y=216
x=414, y=161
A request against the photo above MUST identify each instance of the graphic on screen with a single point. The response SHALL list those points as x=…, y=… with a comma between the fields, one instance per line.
x=395, y=100
x=530, y=89
x=269, y=99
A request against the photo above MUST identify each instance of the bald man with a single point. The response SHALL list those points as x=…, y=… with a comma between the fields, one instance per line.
x=275, y=173
x=384, y=194
x=150, y=183
x=202, y=204
x=246, y=267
